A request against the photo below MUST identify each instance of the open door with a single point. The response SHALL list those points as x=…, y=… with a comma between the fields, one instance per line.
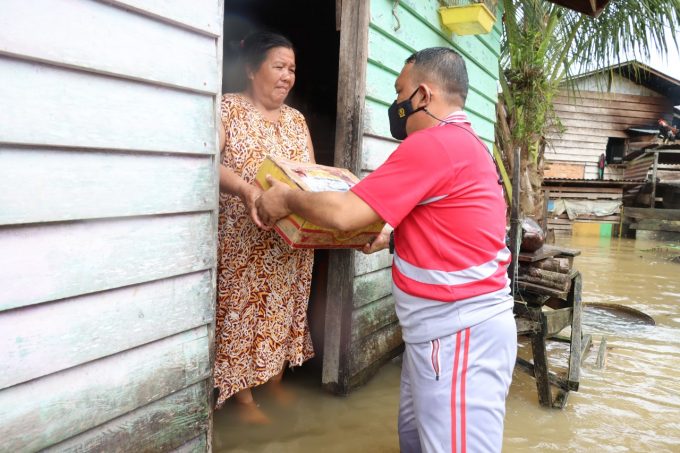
x=311, y=26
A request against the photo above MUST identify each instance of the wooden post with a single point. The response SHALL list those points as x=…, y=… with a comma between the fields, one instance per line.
x=652, y=202
x=574, y=373
x=354, y=22
x=601, y=354
x=515, y=228
x=338, y=14
x=544, y=221
x=210, y=382
x=541, y=369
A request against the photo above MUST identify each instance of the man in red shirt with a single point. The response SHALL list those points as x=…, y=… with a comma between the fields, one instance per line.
x=440, y=191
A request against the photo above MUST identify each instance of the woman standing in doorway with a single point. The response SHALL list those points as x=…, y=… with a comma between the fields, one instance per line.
x=263, y=284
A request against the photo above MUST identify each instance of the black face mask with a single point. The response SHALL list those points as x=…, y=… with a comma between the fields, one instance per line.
x=398, y=113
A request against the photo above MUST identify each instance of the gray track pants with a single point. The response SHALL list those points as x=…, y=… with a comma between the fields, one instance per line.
x=453, y=389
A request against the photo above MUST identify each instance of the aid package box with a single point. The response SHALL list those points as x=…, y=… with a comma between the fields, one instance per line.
x=299, y=232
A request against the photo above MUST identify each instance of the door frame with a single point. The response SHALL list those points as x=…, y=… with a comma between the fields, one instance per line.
x=354, y=20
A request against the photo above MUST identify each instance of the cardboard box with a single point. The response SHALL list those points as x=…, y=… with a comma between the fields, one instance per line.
x=300, y=233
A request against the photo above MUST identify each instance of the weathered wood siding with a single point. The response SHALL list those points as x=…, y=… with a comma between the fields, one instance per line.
x=108, y=198
x=591, y=114
x=375, y=332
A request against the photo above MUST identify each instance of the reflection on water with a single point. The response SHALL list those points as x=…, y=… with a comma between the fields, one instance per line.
x=631, y=405
x=614, y=319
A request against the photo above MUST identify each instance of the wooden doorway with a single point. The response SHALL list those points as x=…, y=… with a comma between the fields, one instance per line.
x=311, y=26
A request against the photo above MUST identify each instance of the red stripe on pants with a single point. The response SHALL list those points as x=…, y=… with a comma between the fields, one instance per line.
x=462, y=392
x=454, y=378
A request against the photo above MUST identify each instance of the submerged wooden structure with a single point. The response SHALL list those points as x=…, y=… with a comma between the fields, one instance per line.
x=548, y=299
x=651, y=219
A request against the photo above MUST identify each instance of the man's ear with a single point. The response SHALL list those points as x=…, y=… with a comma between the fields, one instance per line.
x=426, y=95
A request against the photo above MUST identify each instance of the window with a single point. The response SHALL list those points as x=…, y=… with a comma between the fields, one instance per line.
x=615, y=150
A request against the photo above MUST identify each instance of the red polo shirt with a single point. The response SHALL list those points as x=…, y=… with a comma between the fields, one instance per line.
x=440, y=191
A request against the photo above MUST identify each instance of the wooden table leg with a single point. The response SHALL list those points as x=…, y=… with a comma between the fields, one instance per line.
x=575, y=351
x=541, y=369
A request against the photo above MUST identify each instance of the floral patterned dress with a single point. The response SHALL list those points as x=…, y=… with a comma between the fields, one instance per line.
x=262, y=284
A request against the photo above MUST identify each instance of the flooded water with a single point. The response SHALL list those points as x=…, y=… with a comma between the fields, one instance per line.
x=632, y=404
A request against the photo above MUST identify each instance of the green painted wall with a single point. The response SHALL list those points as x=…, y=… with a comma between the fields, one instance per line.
x=420, y=27
x=376, y=335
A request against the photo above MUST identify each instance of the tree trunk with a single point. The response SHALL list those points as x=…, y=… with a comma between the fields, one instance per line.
x=531, y=171
x=531, y=196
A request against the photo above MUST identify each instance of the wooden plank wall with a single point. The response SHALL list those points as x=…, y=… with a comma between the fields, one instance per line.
x=375, y=333
x=590, y=117
x=108, y=198
x=639, y=167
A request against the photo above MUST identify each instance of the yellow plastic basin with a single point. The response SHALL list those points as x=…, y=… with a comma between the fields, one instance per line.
x=475, y=19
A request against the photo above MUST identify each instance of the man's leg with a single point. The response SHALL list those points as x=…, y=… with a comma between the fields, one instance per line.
x=409, y=441
x=493, y=350
x=459, y=384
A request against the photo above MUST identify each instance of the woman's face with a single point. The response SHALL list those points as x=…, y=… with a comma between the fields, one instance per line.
x=274, y=79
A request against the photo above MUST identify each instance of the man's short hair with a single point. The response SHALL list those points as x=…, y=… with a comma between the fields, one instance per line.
x=443, y=66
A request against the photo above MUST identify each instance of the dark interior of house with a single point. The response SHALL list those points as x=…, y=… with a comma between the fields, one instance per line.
x=311, y=26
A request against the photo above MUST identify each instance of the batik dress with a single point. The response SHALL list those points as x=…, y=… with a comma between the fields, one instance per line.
x=262, y=283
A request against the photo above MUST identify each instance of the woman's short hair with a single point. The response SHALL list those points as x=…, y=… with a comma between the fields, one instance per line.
x=445, y=67
x=256, y=45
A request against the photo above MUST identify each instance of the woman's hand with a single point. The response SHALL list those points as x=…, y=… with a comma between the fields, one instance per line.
x=271, y=205
x=381, y=241
x=249, y=196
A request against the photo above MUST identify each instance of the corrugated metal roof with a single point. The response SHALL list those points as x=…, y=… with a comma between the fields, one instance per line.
x=592, y=182
x=644, y=75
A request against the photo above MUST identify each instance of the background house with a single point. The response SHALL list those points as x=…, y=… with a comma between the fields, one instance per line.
x=600, y=112
x=597, y=108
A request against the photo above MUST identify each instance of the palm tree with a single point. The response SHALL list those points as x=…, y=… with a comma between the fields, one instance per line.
x=542, y=45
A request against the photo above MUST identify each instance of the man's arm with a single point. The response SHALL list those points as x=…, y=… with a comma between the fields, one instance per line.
x=343, y=211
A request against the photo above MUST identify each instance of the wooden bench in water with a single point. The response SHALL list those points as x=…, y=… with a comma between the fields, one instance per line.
x=540, y=324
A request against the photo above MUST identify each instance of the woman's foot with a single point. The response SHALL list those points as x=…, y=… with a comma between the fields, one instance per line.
x=251, y=414
x=280, y=394
x=248, y=411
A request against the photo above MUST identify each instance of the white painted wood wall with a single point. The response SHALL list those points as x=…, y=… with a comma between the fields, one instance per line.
x=108, y=218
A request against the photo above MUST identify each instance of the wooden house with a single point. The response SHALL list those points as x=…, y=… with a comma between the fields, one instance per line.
x=598, y=112
x=108, y=214
x=108, y=202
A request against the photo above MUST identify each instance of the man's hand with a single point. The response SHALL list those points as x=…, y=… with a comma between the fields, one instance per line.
x=382, y=241
x=271, y=205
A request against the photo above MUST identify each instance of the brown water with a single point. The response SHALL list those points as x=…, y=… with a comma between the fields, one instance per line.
x=631, y=405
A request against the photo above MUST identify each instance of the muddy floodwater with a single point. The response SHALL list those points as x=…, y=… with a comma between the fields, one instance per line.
x=632, y=404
